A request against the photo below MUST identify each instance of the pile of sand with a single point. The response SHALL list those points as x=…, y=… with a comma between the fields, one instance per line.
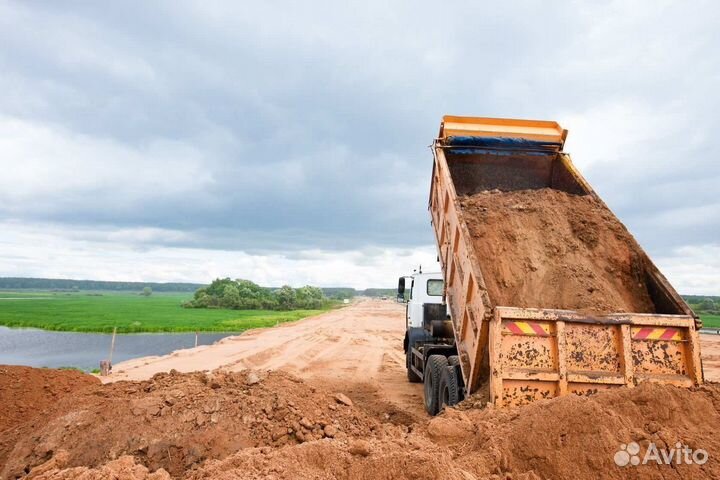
x=568, y=437
x=164, y=428
x=549, y=249
x=26, y=392
x=176, y=421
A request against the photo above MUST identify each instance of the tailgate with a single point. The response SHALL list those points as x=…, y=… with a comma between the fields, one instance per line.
x=484, y=127
x=538, y=353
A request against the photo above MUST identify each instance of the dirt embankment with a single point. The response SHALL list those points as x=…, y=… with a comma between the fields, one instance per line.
x=566, y=438
x=273, y=425
x=25, y=392
x=176, y=421
x=232, y=424
x=549, y=249
x=356, y=349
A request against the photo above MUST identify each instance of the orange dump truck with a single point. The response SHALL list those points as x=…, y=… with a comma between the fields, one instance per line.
x=499, y=332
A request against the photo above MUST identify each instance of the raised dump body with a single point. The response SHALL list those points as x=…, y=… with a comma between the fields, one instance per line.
x=508, y=296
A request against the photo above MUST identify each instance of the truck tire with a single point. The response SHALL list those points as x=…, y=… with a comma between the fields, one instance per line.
x=453, y=360
x=433, y=371
x=412, y=376
x=449, y=388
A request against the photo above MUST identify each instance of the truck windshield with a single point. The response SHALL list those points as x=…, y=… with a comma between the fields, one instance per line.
x=435, y=288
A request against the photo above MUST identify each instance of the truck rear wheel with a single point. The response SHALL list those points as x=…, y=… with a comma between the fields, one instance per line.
x=412, y=376
x=433, y=371
x=449, y=388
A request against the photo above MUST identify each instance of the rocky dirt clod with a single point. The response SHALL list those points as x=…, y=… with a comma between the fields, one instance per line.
x=342, y=398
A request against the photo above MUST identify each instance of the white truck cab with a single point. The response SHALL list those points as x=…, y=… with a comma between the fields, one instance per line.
x=429, y=339
x=423, y=288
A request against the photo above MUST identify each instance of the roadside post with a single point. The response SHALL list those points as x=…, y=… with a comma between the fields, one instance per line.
x=106, y=365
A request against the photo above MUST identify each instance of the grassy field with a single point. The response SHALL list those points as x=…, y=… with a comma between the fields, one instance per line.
x=83, y=312
x=710, y=321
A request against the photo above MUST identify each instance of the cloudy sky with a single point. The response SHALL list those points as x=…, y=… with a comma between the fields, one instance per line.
x=286, y=142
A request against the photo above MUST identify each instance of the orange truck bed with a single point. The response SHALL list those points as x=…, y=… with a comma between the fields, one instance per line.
x=526, y=354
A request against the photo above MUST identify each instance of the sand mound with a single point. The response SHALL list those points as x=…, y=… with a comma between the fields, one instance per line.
x=577, y=437
x=26, y=392
x=125, y=468
x=549, y=249
x=176, y=421
x=567, y=437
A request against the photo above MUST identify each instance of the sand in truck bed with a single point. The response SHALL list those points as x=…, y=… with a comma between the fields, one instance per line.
x=550, y=249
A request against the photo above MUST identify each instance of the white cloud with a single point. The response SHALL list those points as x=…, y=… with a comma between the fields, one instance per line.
x=619, y=134
x=48, y=168
x=693, y=270
x=55, y=252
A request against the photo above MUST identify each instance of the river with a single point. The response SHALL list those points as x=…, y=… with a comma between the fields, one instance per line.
x=42, y=348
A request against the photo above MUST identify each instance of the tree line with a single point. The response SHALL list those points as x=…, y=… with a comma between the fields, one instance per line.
x=18, y=283
x=703, y=304
x=68, y=285
x=247, y=295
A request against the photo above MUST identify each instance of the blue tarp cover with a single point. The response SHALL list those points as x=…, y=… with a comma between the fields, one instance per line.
x=500, y=142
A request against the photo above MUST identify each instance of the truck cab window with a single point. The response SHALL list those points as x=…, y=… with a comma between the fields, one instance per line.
x=435, y=288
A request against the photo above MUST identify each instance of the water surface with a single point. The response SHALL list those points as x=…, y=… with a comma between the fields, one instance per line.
x=41, y=348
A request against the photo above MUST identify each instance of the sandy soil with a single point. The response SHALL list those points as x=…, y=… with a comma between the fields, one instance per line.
x=351, y=414
x=710, y=345
x=177, y=421
x=261, y=425
x=356, y=348
x=549, y=249
x=28, y=391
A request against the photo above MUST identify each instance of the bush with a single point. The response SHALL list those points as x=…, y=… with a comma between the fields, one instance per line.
x=707, y=305
x=247, y=295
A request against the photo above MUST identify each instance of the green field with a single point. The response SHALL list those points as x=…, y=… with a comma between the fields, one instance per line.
x=101, y=312
x=710, y=321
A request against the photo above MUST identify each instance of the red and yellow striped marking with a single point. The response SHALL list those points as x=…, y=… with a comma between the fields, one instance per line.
x=528, y=328
x=653, y=333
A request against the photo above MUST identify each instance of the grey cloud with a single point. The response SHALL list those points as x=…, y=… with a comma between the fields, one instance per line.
x=312, y=123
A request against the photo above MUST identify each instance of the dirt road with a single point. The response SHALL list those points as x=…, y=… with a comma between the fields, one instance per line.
x=710, y=345
x=357, y=348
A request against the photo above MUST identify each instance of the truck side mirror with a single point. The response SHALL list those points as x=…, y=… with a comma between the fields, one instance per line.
x=401, y=290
